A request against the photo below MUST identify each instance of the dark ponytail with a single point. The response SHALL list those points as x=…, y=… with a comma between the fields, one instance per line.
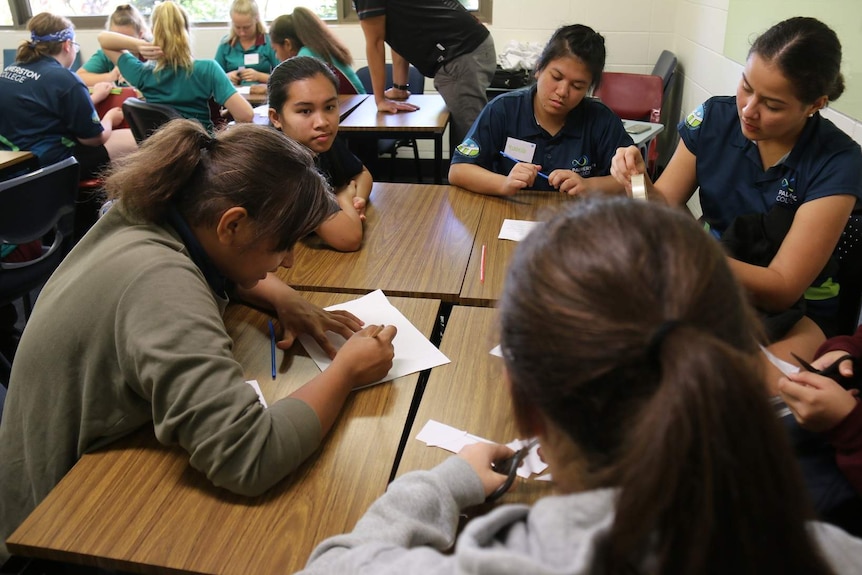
x=623, y=325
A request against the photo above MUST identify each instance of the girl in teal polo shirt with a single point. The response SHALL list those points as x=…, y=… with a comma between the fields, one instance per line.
x=246, y=54
x=126, y=19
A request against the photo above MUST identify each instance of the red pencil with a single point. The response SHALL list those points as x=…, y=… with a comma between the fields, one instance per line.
x=482, y=267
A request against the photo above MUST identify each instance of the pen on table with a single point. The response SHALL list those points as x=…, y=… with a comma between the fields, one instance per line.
x=482, y=266
x=517, y=161
x=272, y=346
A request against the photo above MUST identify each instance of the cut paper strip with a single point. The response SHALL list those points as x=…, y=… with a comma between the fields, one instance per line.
x=436, y=434
x=516, y=230
x=413, y=351
x=784, y=367
x=256, y=387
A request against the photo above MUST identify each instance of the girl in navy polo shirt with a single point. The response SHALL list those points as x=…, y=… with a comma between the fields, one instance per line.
x=766, y=159
x=549, y=136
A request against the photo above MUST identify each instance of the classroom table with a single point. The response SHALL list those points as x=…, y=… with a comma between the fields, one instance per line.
x=13, y=161
x=253, y=99
x=469, y=394
x=138, y=506
x=428, y=122
x=526, y=205
x=418, y=239
x=643, y=133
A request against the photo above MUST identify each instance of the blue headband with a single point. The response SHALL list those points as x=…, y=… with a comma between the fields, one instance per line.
x=58, y=36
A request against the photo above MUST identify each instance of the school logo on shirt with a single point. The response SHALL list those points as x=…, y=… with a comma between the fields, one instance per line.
x=468, y=148
x=787, y=192
x=695, y=119
x=582, y=166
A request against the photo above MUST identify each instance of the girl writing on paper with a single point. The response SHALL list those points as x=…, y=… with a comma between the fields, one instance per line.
x=172, y=75
x=128, y=331
x=629, y=351
x=303, y=100
x=548, y=136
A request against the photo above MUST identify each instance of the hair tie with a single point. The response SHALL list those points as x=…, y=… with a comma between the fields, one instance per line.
x=653, y=351
x=207, y=143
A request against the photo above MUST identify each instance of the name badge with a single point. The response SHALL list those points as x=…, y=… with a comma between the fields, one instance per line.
x=251, y=59
x=520, y=150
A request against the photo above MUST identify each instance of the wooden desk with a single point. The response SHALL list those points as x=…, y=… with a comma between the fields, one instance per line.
x=254, y=99
x=13, y=161
x=428, y=122
x=137, y=506
x=527, y=205
x=469, y=394
x=417, y=243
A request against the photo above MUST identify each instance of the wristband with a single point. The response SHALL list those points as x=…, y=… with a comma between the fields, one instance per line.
x=400, y=86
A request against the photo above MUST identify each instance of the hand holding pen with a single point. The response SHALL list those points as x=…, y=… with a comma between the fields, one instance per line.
x=522, y=175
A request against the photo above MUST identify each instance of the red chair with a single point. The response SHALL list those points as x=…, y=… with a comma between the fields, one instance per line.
x=115, y=100
x=634, y=97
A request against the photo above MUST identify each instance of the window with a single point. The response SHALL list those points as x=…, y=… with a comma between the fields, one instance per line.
x=92, y=13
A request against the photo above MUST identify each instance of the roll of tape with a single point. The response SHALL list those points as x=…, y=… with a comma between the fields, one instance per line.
x=638, y=187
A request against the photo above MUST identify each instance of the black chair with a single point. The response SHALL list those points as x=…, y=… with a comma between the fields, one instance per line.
x=39, y=205
x=387, y=145
x=665, y=67
x=144, y=118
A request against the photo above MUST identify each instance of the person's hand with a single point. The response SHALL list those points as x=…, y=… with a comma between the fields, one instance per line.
x=567, y=182
x=297, y=316
x=393, y=107
x=396, y=94
x=367, y=356
x=115, y=115
x=150, y=51
x=234, y=77
x=259, y=89
x=626, y=163
x=100, y=90
x=480, y=456
x=845, y=368
x=250, y=75
x=521, y=176
x=817, y=402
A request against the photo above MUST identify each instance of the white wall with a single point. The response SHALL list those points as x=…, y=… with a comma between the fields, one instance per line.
x=636, y=32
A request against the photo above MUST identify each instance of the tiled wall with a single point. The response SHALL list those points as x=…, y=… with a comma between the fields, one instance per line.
x=636, y=32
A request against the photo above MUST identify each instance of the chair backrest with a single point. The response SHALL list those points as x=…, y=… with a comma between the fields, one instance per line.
x=144, y=118
x=414, y=78
x=33, y=204
x=9, y=56
x=849, y=276
x=632, y=96
x=115, y=100
x=345, y=86
x=665, y=67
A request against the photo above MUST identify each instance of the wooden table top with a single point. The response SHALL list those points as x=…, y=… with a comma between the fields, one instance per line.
x=470, y=394
x=138, y=506
x=418, y=239
x=9, y=159
x=432, y=116
x=527, y=205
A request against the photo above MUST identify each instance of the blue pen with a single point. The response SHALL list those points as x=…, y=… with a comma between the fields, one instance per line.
x=272, y=346
x=517, y=161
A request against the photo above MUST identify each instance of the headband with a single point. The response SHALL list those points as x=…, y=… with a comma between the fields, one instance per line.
x=58, y=36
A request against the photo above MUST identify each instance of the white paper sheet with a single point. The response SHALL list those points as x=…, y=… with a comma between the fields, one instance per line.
x=256, y=387
x=413, y=351
x=436, y=434
x=516, y=230
x=784, y=367
x=245, y=90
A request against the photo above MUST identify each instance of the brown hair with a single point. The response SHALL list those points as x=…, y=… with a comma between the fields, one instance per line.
x=260, y=169
x=623, y=324
x=171, y=33
x=246, y=8
x=42, y=24
x=305, y=28
x=128, y=15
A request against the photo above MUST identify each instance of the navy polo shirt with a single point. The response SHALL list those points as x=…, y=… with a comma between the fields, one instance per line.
x=46, y=108
x=338, y=164
x=824, y=162
x=586, y=143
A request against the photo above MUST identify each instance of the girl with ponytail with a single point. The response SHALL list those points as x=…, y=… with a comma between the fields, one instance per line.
x=631, y=353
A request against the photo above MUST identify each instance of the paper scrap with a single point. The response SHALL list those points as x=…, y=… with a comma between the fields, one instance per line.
x=436, y=434
x=516, y=230
x=413, y=351
x=784, y=367
x=256, y=387
x=245, y=90
x=498, y=351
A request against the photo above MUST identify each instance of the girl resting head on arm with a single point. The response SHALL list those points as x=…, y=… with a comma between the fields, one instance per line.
x=125, y=19
x=303, y=102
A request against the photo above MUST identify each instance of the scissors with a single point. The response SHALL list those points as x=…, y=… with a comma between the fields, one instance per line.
x=831, y=371
x=509, y=468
